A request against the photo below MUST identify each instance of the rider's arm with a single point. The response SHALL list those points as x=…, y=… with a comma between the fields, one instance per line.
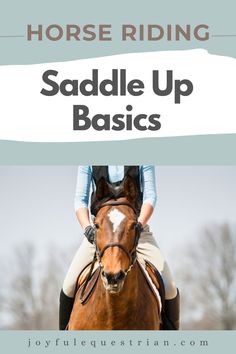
x=148, y=183
x=83, y=217
x=82, y=195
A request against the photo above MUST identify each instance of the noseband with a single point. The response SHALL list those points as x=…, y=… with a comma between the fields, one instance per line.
x=130, y=254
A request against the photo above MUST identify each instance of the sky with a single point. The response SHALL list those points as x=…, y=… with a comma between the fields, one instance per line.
x=37, y=205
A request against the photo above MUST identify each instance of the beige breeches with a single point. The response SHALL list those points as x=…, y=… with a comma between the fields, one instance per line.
x=147, y=249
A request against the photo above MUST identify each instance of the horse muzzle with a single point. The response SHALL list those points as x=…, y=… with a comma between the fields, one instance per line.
x=113, y=283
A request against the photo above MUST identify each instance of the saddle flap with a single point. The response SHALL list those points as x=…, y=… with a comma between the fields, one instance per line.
x=156, y=279
x=86, y=283
x=155, y=282
x=83, y=275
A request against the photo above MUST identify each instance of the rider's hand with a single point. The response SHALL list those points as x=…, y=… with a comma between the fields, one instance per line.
x=90, y=233
x=139, y=227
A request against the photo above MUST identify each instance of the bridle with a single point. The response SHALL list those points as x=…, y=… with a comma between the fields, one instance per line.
x=130, y=254
x=99, y=253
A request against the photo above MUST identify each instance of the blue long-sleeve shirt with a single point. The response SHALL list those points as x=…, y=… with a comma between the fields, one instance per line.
x=116, y=173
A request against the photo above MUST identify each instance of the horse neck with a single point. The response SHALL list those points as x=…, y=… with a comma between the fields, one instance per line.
x=133, y=308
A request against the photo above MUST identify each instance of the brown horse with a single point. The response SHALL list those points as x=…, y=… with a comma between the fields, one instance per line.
x=122, y=299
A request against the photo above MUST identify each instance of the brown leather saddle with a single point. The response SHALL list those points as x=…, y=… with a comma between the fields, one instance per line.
x=86, y=282
x=88, y=279
x=157, y=281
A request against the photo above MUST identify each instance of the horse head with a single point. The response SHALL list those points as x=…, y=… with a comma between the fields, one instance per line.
x=116, y=236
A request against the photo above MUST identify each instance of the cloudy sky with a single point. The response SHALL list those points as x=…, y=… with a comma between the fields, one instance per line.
x=36, y=204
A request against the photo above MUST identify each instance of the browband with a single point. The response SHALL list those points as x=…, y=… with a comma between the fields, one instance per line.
x=117, y=202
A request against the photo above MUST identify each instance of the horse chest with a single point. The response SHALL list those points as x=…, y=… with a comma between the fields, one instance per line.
x=132, y=309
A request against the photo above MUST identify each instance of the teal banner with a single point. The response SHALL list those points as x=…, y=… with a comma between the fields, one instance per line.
x=189, y=150
x=150, y=26
x=99, y=342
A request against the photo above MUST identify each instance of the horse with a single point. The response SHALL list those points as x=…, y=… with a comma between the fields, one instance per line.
x=121, y=298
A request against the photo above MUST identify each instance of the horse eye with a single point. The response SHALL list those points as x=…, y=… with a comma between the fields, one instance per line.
x=132, y=226
x=97, y=226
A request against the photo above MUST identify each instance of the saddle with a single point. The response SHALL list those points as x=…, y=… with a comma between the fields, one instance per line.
x=88, y=278
x=87, y=281
x=155, y=283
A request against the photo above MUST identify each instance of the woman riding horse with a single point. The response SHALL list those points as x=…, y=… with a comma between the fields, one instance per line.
x=147, y=248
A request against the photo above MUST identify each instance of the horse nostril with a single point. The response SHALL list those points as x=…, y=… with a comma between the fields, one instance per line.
x=113, y=279
x=107, y=276
x=119, y=276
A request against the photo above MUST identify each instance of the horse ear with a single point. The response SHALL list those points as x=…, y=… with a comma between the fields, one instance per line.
x=130, y=188
x=102, y=189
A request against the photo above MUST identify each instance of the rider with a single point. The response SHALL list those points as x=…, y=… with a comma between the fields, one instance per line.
x=147, y=247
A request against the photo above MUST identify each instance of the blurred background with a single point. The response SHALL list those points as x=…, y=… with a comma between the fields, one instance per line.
x=194, y=223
